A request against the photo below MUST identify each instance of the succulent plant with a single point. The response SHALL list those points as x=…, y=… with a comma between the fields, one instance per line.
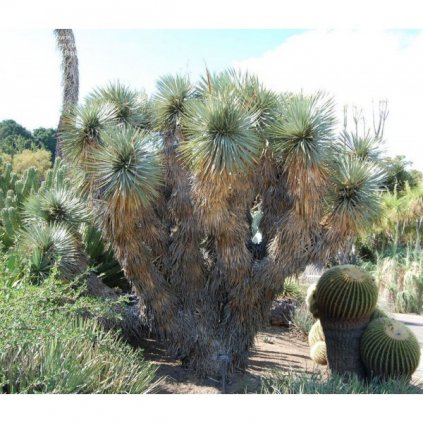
x=378, y=313
x=389, y=349
x=316, y=333
x=311, y=300
x=318, y=353
x=346, y=293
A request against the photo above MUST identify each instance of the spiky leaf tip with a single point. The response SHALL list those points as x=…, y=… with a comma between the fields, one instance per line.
x=220, y=137
x=82, y=126
x=131, y=107
x=353, y=196
x=57, y=206
x=127, y=168
x=170, y=101
x=362, y=147
x=304, y=129
x=49, y=245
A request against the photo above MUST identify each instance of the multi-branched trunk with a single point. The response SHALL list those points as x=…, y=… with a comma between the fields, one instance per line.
x=177, y=212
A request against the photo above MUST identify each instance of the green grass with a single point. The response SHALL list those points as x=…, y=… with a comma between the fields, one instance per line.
x=316, y=383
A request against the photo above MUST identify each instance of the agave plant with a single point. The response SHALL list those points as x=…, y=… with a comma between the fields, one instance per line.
x=174, y=200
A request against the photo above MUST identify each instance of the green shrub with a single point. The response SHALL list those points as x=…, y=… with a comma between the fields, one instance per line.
x=51, y=341
x=293, y=290
x=89, y=361
x=317, y=383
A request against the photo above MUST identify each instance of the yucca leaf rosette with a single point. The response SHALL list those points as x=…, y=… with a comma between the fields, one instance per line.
x=169, y=103
x=220, y=137
x=57, y=206
x=300, y=138
x=126, y=169
x=132, y=108
x=352, y=198
x=82, y=127
x=49, y=245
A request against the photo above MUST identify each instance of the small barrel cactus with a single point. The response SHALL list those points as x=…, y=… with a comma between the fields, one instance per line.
x=389, y=349
x=318, y=353
x=311, y=300
x=345, y=297
x=316, y=334
x=377, y=314
x=346, y=292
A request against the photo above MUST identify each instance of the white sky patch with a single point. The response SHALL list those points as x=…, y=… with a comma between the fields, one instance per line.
x=358, y=68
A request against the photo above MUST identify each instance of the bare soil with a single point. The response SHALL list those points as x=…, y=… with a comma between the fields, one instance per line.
x=276, y=349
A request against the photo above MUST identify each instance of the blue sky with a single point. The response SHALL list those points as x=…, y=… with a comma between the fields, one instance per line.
x=358, y=67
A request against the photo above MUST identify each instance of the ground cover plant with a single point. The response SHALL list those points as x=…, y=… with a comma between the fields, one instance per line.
x=51, y=339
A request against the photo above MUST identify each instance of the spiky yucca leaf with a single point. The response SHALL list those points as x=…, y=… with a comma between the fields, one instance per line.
x=220, y=136
x=57, y=206
x=102, y=258
x=303, y=130
x=353, y=194
x=253, y=96
x=82, y=126
x=127, y=167
x=131, y=107
x=170, y=101
x=362, y=147
x=50, y=245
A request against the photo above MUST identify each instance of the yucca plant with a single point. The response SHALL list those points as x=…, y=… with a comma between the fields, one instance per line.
x=174, y=200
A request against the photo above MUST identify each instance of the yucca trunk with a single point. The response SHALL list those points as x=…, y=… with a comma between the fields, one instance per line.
x=70, y=77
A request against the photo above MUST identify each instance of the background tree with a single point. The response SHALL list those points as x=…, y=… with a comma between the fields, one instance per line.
x=46, y=138
x=173, y=180
x=10, y=127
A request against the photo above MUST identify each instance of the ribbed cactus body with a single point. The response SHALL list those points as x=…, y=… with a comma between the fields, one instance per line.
x=318, y=353
x=346, y=293
x=316, y=333
x=389, y=349
x=377, y=314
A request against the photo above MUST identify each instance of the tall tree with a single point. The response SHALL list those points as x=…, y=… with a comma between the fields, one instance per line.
x=70, y=76
x=173, y=181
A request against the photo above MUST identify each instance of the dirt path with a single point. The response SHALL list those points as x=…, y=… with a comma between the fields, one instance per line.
x=276, y=349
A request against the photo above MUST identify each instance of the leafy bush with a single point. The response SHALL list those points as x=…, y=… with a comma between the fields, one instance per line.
x=40, y=159
x=51, y=341
x=318, y=383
